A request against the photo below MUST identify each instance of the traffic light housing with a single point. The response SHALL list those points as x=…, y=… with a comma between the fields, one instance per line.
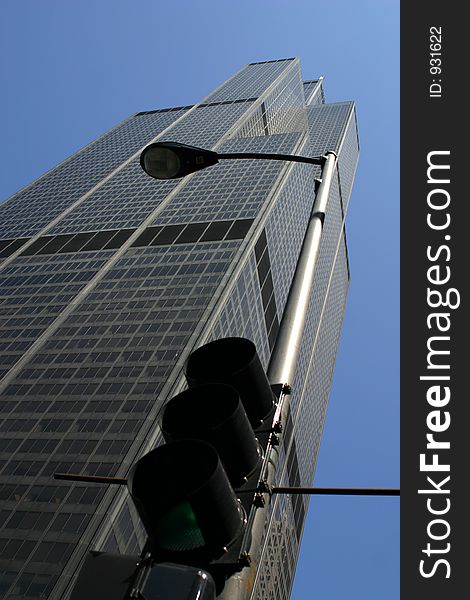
x=186, y=502
x=106, y=576
x=235, y=362
x=214, y=413
x=194, y=493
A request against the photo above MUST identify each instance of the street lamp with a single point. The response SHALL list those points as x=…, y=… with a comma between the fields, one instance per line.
x=193, y=503
x=172, y=160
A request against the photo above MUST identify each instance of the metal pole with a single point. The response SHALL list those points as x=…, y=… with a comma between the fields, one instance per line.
x=282, y=367
x=287, y=347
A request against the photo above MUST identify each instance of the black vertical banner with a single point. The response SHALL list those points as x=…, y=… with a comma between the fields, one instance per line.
x=435, y=268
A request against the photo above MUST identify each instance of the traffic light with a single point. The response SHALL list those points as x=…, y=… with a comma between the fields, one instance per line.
x=185, y=501
x=194, y=493
x=235, y=362
x=213, y=412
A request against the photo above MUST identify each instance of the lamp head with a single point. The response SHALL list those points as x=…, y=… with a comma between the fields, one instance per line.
x=172, y=160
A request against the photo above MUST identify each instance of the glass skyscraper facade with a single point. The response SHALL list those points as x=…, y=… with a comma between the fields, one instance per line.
x=108, y=279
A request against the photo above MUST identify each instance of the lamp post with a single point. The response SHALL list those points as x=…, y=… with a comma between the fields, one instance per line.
x=171, y=160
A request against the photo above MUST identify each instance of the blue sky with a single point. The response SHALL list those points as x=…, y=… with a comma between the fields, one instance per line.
x=71, y=71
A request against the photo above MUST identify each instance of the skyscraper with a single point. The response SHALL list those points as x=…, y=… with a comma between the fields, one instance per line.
x=108, y=279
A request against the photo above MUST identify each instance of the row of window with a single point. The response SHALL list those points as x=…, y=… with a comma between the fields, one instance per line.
x=113, y=239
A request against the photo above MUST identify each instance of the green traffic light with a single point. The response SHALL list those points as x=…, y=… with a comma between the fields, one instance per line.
x=185, y=501
x=177, y=530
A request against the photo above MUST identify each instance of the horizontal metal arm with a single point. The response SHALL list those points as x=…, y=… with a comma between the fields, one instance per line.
x=316, y=160
x=337, y=491
x=274, y=490
x=90, y=478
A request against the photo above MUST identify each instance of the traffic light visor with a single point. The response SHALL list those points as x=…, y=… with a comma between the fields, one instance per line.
x=185, y=500
x=235, y=362
x=213, y=413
